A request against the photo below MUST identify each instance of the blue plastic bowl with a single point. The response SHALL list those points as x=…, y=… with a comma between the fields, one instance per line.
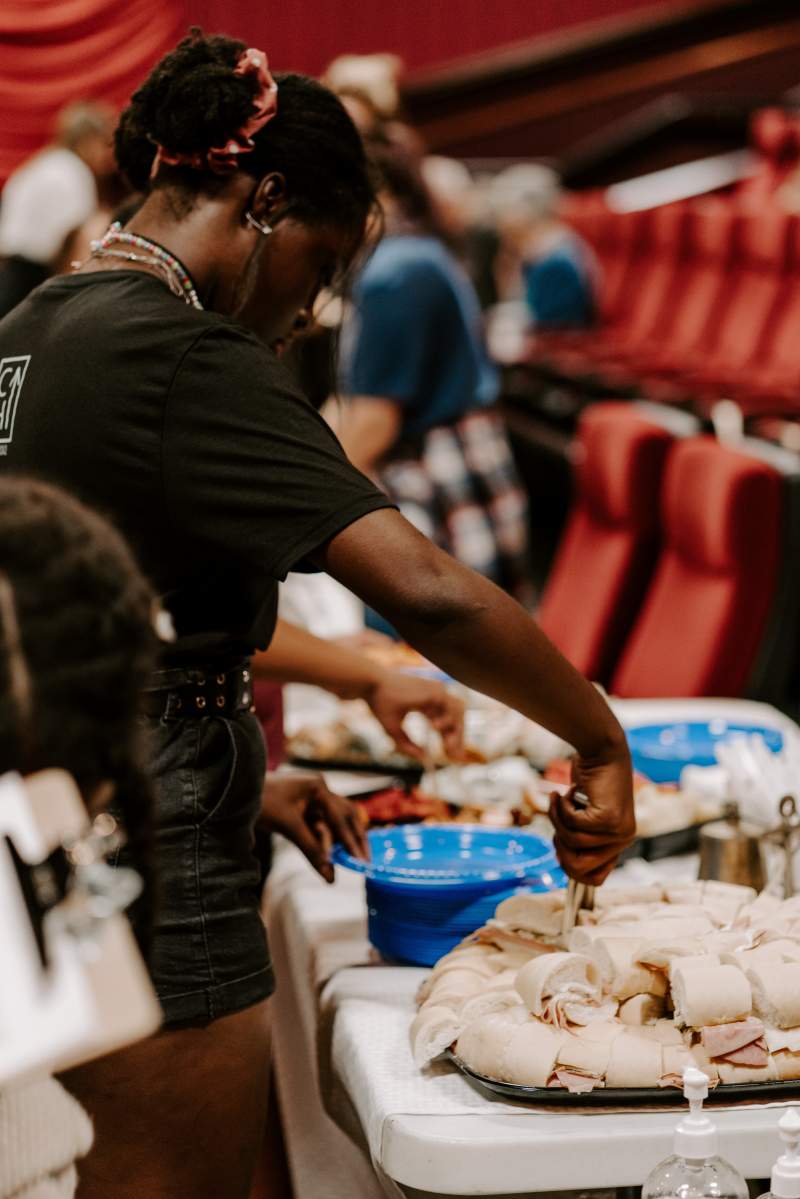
x=429, y=886
x=660, y=751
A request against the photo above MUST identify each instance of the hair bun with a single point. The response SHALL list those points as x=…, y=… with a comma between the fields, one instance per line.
x=193, y=100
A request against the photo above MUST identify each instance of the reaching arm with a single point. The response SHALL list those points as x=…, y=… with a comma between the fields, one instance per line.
x=296, y=656
x=482, y=637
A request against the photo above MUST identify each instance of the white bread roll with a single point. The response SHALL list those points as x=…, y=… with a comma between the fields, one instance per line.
x=710, y=995
x=782, y=1038
x=553, y=974
x=589, y=1057
x=732, y=892
x=613, y=897
x=601, y=1032
x=776, y=992
x=482, y=1044
x=531, y=1054
x=675, y=893
x=536, y=913
x=473, y=963
x=787, y=1065
x=504, y=981
x=486, y=1004
x=627, y=914
x=659, y=954
x=476, y=958
x=699, y=962
x=433, y=1031
x=582, y=939
x=729, y=1073
x=458, y=983
x=634, y=1062
x=663, y=1032
x=728, y=940
x=667, y=1032
x=511, y=959
x=641, y=1009
x=623, y=973
x=674, y=1060
x=763, y=909
x=746, y=959
x=669, y=927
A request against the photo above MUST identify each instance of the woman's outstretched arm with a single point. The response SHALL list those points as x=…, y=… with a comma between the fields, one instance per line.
x=479, y=635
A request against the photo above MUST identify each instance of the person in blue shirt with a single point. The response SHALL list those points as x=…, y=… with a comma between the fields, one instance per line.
x=419, y=415
x=557, y=267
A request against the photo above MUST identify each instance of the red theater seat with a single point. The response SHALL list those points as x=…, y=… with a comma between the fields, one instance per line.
x=707, y=613
x=609, y=547
x=771, y=383
x=690, y=329
x=753, y=286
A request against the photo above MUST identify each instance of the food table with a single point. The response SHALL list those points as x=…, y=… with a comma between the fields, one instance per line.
x=361, y=1119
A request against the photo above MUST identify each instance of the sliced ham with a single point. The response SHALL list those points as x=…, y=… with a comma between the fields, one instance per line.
x=577, y=1084
x=494, y=934
x=720, y=1040
x=756, y=1055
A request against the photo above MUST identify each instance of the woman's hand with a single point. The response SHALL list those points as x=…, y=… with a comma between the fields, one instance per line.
x=394, y=695
x=303, y=810
x=589, y=840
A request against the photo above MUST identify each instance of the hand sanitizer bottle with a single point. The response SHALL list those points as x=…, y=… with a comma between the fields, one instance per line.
x=695, y=1170
x=786, y=1171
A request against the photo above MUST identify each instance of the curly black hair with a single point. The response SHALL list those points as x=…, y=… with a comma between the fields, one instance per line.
x=76, y=646
x=192, y=101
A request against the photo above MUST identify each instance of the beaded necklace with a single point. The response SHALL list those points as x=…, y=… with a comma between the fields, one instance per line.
x=171, y=268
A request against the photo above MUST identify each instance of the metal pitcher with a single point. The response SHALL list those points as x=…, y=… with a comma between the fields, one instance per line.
x=730, y=851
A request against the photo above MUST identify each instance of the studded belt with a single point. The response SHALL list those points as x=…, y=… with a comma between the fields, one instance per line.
x=193, y=694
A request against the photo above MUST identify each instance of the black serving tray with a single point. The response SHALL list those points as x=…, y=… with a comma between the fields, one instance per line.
x=412, y=773
x=629, y=1096
x=665, y=845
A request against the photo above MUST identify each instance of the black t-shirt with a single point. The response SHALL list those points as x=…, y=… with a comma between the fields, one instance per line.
x=186, y=430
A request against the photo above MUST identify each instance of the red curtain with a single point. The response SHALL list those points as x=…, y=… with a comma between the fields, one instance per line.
x=54, y=51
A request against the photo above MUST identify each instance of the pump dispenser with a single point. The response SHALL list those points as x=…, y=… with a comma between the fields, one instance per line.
x=786, y=1171
x=695, y=1170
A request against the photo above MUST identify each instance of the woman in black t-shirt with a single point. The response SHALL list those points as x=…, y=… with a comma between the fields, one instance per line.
x=148, y=384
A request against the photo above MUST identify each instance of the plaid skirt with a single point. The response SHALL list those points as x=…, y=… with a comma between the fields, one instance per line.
x=459, y=486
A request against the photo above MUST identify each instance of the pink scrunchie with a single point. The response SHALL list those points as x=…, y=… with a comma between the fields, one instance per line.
x=224, y=160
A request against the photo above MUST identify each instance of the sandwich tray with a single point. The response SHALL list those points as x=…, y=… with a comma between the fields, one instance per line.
x=748, y=1092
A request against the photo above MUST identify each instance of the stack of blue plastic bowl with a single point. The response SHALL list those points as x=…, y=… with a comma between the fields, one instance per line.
x=430, y=886
x=660, y=751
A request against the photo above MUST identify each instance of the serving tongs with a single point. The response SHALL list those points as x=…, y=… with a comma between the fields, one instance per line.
x=579, y=895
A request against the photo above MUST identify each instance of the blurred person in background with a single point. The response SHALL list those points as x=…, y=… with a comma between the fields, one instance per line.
x=47, y=200
x=541, y=258
x=458, y=200
x=420, y=389
x=374, y=79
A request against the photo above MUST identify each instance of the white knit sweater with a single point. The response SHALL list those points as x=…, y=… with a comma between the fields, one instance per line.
x=43, y=1130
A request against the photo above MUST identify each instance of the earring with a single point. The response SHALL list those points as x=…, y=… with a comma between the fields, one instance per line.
x=256, y=224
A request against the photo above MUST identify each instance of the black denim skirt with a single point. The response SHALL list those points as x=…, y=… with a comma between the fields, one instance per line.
x=209, y=954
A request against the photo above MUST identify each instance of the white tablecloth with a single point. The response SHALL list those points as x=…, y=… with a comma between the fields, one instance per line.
x=361, y=1120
